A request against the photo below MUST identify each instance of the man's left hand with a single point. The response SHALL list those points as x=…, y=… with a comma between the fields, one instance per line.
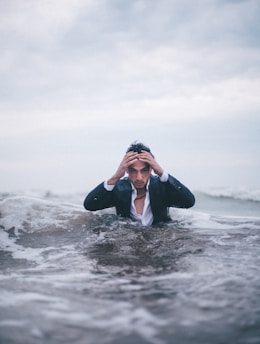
x=147, y=157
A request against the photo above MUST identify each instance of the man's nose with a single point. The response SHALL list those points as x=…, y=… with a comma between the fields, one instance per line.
x=139, y=175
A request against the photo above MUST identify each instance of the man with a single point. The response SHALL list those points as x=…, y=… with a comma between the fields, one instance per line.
x=142, y=196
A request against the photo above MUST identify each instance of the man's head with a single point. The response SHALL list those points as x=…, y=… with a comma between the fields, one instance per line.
x=138, y=146
x=139, y=172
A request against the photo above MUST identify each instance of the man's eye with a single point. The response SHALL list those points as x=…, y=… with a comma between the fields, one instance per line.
x=145, y=170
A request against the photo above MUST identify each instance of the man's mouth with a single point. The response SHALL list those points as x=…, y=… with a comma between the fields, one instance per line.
x=139, y=184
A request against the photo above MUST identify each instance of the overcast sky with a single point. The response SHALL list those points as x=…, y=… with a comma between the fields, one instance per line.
x=80, y=80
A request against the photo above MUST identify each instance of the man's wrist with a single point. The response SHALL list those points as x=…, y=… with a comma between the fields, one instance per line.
x=159, y=172
x=108, y=187
x=113, y=180
x=164, y=177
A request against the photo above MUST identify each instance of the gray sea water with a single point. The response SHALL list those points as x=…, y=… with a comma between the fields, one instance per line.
x=71, y=276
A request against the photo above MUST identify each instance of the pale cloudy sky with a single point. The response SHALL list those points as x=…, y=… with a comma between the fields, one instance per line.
x=80, y=80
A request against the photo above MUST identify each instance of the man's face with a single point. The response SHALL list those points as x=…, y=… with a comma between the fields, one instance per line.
x=139, y=174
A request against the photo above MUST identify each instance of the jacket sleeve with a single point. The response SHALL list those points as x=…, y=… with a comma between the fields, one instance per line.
x=99, y=198
x=178, y=195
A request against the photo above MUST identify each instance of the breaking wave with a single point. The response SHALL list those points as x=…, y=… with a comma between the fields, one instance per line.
x=68, y=275
x=242, y=193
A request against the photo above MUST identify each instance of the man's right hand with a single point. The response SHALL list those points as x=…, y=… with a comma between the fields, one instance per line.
x=128, y=160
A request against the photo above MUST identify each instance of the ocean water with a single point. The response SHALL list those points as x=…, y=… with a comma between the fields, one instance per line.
x=72, y=276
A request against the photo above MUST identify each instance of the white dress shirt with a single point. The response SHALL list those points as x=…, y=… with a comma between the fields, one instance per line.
x=146, y=218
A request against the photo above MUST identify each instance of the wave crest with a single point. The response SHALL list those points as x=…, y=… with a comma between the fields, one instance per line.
x=243, y=193
x=32, y=214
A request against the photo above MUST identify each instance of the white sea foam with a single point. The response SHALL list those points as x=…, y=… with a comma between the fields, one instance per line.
x=8, y=244
x=33, y=214
x=13, y=323
x=86, y=272
x=13, y=298
x=241, y=193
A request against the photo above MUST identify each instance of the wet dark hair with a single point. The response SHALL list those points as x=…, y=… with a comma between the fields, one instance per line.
x=138, y=146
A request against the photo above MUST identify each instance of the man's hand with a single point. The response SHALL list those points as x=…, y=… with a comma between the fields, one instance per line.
x=147, y=157
x=128, y=160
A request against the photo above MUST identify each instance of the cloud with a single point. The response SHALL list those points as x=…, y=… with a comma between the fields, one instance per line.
x=83, y=75
x=79, y=54
x=29, y=20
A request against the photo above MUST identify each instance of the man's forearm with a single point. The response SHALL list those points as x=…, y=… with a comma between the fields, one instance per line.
x=113, y=180
x=97, y=199
x=180, y=195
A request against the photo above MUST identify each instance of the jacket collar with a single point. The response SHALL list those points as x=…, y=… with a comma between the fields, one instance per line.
x=147, y=185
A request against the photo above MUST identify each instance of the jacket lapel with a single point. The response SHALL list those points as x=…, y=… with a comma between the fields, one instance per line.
x=153, y=196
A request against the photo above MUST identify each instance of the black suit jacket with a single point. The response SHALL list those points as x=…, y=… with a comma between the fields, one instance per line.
x=162, y=196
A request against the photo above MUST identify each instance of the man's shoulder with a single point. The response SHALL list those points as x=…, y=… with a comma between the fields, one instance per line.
x=123, y=180
x=154, y=179
x=123, y=184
